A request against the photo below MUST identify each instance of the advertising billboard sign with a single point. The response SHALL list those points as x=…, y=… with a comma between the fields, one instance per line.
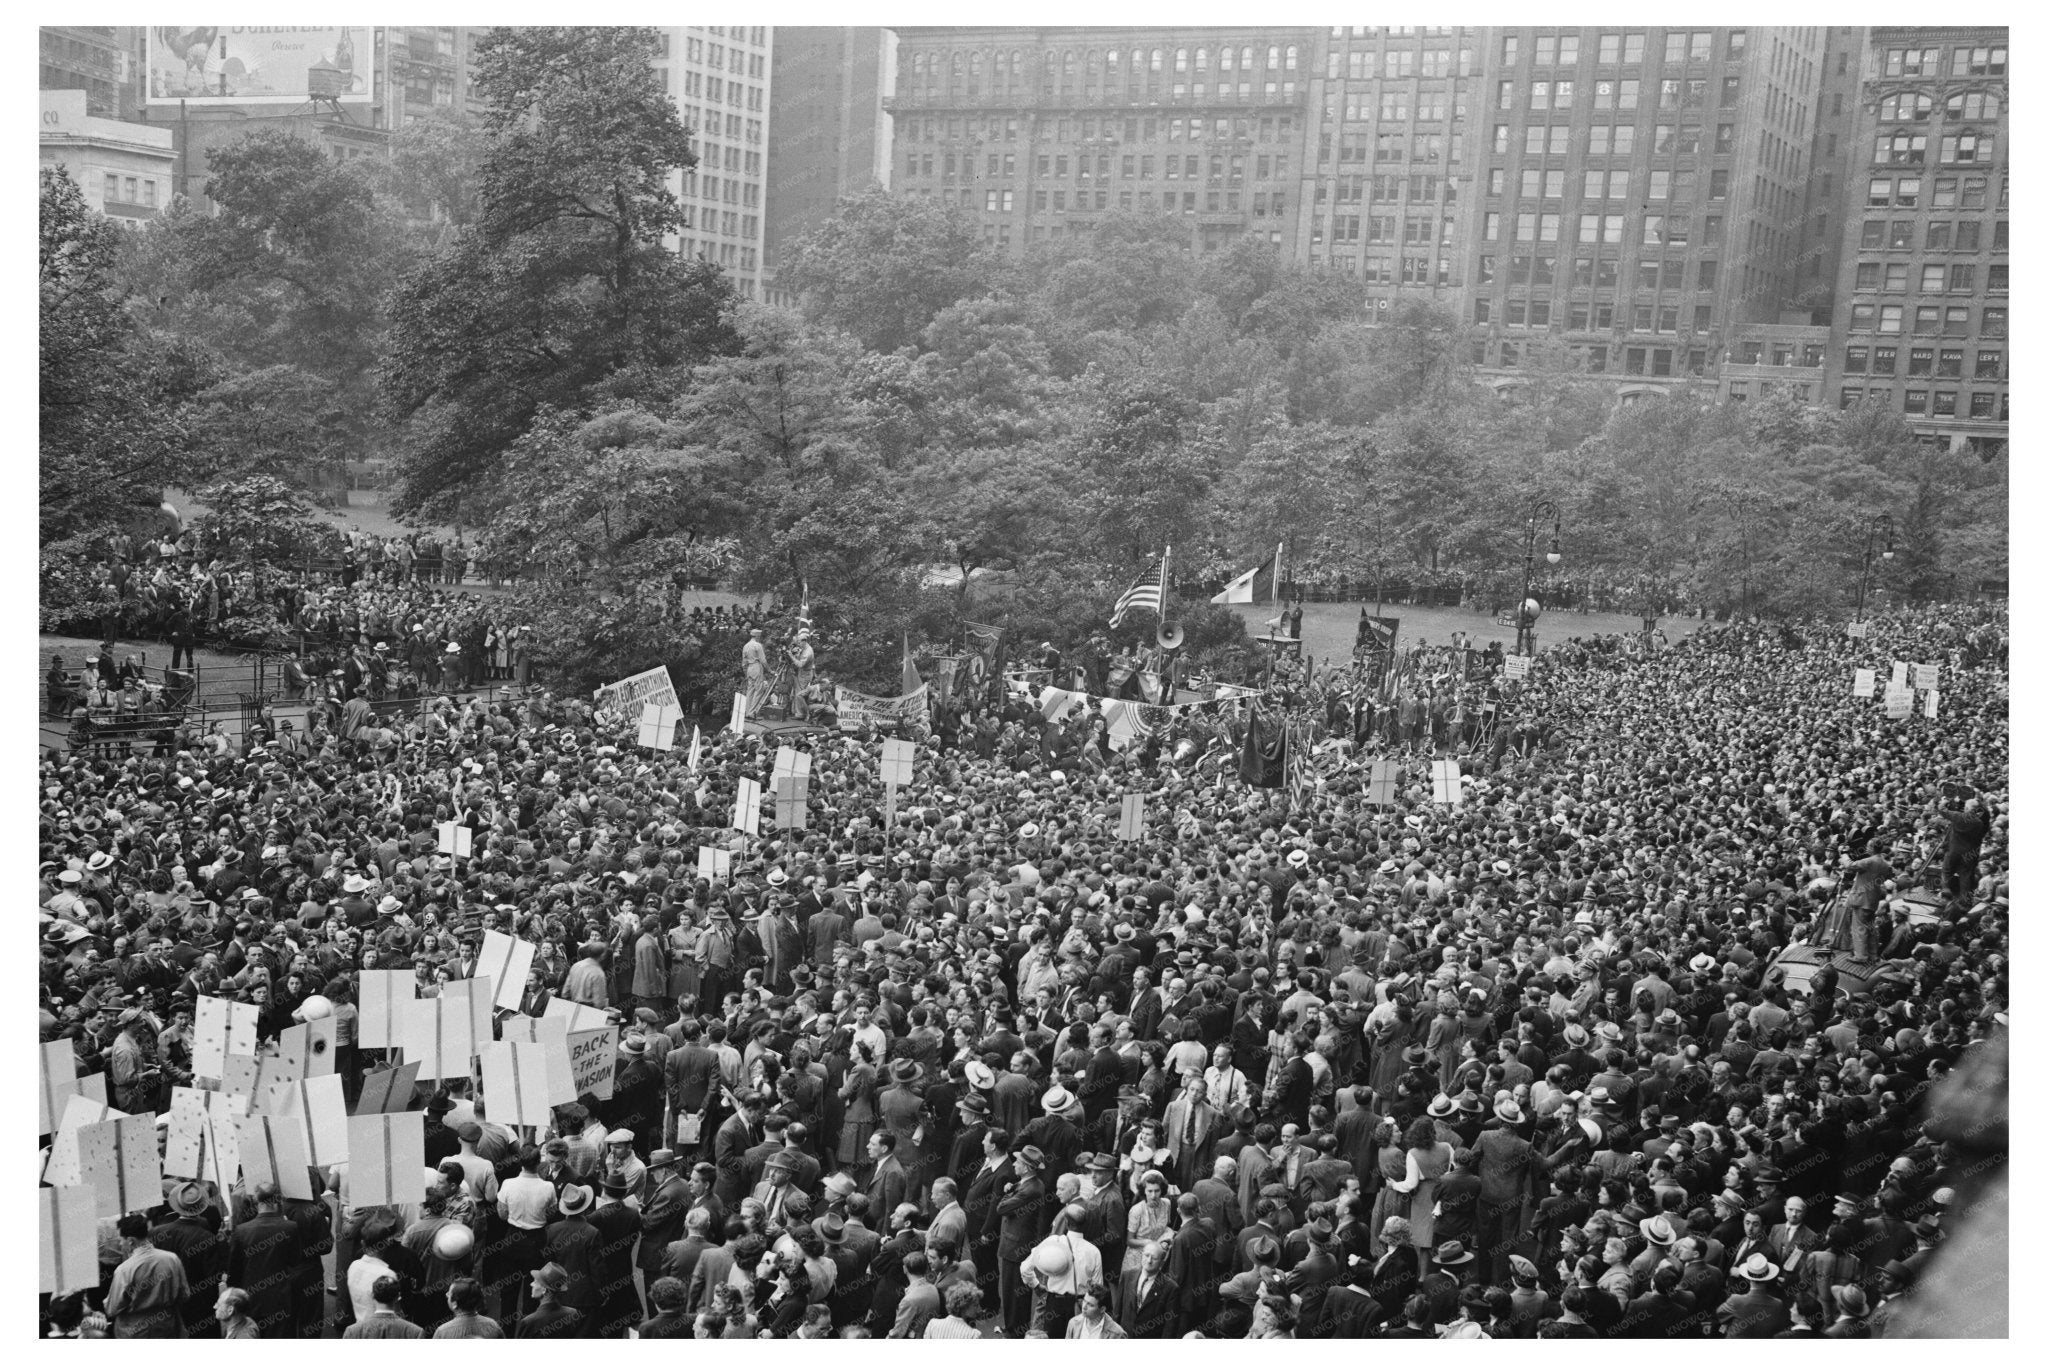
x=258, y=65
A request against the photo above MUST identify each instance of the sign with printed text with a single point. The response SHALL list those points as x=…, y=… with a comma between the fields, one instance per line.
x=1446, y=782
x=1898, y=675
x=67, y=1224
x=1132, y=823
x=508, y=961
x=384, y=998
x=746, y=807
x=1933, y=703
x=189, y=1142
x=515, y=1081
x=454, y=839
x=118, y=1159
x=1866, y=683
x=387, y=1159
x=1926, y=677
x=593, y=1061
x=1859, y=630
x=551, y=1036
x=221, y=1029
x=388, y=1090
x=56, y=1079
x=1516, y=667
x=628, y=695
x=1898, y=703
x=858, y=710
x=658, y=726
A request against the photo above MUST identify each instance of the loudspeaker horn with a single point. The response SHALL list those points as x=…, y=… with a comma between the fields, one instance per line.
x=1170, y=636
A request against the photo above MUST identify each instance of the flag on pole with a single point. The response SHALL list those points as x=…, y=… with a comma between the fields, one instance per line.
x=1262, y=762
x=1148, y=592
x=1260, y=583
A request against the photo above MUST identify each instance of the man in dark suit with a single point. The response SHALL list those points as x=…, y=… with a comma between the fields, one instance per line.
x=267, y=1257
x=691, y=1071
x=1755, y=1312
x=1192, y=1261
x=729, y=1147
x=987, y=1185
x=575, y=1246
x=1217, y=1195
x=1148, y=1299
x=890, y=1183
x=1192, y=1127
x=963, y=1157
x=1026, y=1213
x=664, y=1203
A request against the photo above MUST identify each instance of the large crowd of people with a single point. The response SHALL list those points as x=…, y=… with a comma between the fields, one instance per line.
x=959, y=1060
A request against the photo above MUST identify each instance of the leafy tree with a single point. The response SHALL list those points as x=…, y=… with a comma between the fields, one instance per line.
x=562, y=281
x=884, y=266
x=258, y=517
x=109, y=435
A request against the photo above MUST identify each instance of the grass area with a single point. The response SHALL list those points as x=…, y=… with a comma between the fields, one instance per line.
x=1329, y=629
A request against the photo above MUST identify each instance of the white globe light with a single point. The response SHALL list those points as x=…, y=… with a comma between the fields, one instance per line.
x=314, y=1007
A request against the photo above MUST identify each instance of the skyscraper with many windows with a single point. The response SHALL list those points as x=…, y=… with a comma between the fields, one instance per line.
x=1038, y=132
x=1921, y=308
x=719, y=78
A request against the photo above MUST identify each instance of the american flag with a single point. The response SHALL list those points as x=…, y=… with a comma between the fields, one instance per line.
x=1149, y=591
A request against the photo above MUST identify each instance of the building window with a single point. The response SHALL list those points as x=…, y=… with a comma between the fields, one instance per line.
x=1856, y=360
x=1891, y=317
x=1884, y=360
x=1983, y=405
x=1944, y=402
x=1851, y=397
x=1916, y=402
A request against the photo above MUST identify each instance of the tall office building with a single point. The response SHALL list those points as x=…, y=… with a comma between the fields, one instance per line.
x=1389, y=187
x=98, y=60
x=1921, y=307
x=828, y=136
x=1637, y=192
x=1037, y=132
x=719, y=78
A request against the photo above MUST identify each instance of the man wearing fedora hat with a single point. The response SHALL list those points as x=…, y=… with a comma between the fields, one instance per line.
x=571, y=1244
x=1756, y=1310
x=1024, y=1213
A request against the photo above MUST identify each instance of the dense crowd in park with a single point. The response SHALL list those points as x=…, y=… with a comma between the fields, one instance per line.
x=1292, y=1063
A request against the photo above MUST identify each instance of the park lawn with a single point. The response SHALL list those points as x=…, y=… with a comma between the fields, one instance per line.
x=1330, y=629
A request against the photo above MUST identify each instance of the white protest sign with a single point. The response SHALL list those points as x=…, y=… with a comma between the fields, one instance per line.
x=384, y=996
x=94, y=1086
x=653, y=685
x=79, y=1110
x=1446, y=781
x=56, y=1079
x=593, y=1061
x=440, y=1034
x=1926, y=677
x=696, y=747
x=507, y=961
x=477, y=991
x=189, y=1139
x=221, y=1029
x=274, y=1150
x=1516, y=667
x=792, y=810
x=320, y=1112
x=738, y=723
x=388, y=1090
x=746, y=807
x=243, y=1073
x=578, y=1018
x=1859, y=630
x=1898, y=703
x=1386, y=776
x=658, y=726
x=515, y=1081
x=714, y=864
x=551, y=1037
x=272, y=1071
x=387, y=1158
x=454, y=839
x=310, y=1045
x=1132, y=823
x=899, y=762
x=1866, y=683
x=67, y=1222
x=1898, y=674
x=117, y=1158
x=1933, y=702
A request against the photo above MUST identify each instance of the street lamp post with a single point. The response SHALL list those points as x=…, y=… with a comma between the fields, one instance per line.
x=1525, y=617
x=1884, y=523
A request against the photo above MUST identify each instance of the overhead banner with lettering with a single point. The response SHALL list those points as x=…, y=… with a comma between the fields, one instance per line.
x=858, y=709
x=628, y=695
